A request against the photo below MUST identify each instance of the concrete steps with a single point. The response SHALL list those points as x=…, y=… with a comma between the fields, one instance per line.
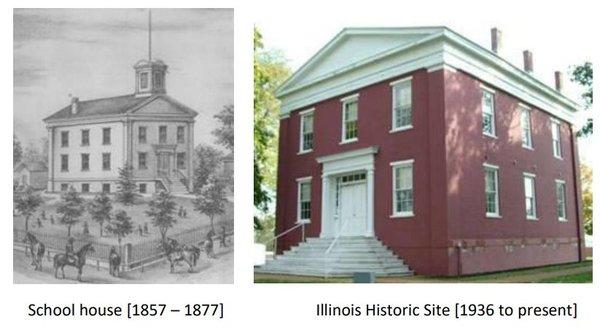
x=177, y=187
x=348, y=255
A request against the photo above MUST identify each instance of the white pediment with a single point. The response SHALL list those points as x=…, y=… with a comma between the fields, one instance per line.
x=353, y=46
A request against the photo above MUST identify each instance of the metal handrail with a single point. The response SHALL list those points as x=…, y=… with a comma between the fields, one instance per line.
x=337, y=236
x=300, y=224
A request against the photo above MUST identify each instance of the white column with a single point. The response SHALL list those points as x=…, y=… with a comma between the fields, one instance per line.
x=50, y=186
x=370, y=208
x=190, y=155
x=325, y=219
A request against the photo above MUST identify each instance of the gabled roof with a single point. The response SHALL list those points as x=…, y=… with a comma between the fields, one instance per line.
x=119, y=105
x=359, y=57
x=31, y=166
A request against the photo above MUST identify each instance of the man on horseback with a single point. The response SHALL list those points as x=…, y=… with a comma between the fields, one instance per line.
x=70, y=250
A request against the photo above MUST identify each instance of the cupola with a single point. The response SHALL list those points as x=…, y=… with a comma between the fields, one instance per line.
x=150, y=74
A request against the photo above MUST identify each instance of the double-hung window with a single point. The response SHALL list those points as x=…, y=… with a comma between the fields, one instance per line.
x=304, y=199
x=106, y=136
x=85, y=162
x=402, y=199
x=106, y=161
x=561, y=200
x=307, y=119
x=526, y=127
x=64, y=139
x=180, y=134
x=555, y=126
x=85, y=137
x=402, y=117
x=492, y=202
x=487, y=101
x=530, y=203
x=350, y=118
x=162, y=134
x=142, y=134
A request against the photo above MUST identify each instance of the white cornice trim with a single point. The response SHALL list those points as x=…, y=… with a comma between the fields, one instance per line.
x=348, y=154
x=444, y=49
x=438, y=67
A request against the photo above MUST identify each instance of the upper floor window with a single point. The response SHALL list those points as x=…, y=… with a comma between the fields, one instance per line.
x=85, y=162
x=402, y=104
x=106, y=161
x=561, y=200
x=142, y=134
x=526, y=127
x=162, y=134
x=350, y=118
x=492, y=207
x=402, y=199
x=556, y=148
x=85, y=137
x=180, y=134
x=106, y=135
x=304, y=199
x=144, y=80
x=142, y=165
x=530, y=203
x=489, y=125
x=306, y=130
x=64, y=139
x=64, y=163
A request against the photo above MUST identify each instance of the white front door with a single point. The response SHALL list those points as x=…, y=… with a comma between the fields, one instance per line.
x=353, y=209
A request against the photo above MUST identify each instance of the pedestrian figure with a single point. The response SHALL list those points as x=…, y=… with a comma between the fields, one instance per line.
x=39, y=222
x=210, y=248
x=86, y=228
x=70, y=251
x=146, y=228
x=223, y=236
x=140, y=231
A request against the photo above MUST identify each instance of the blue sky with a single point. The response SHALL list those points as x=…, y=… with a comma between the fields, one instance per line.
x=90, y=53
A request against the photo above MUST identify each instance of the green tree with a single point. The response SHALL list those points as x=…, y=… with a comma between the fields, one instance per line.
x=126, y=187
x=70, y=208
x=26, y=202
x=212, y=199
x=17, y=150
x=587, y=196
x=99, y=209
x=120, y=225
x=161, y=210
x=224, y=133
x=583, y=75
x=208, y=160
x=270, y=70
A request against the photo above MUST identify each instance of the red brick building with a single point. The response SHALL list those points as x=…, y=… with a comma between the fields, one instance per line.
x=452, y=157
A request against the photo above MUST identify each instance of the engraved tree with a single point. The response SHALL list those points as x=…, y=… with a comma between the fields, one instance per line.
x=70, y=208
x=26, y=202
x=161, y=211
x=120, y=225
x=99, y=209
x=126, y=187
x=212, y=199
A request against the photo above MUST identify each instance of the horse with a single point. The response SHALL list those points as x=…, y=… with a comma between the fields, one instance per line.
x=61, y=260
x=114, y=262
x=175, y=253
x=37, y=250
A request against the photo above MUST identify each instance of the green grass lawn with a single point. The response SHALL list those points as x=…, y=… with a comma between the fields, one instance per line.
x=580, y=272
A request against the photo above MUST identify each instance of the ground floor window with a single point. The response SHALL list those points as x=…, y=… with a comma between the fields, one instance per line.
x=561, y=200
x=492, y=207
x=64, y=186
x=304, y=199
x=181, y=160
x=106, y=188
x=530, y=203
x=402, y=184
x=85, y=187
x=142, y=188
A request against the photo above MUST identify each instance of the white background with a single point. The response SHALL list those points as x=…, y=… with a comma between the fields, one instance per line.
x=289, y=306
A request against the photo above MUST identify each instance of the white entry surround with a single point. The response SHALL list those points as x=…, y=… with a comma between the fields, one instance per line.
x=359, y=161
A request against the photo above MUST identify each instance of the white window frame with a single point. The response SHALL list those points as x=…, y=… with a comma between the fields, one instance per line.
x=558, y=182
x=526, y=129
x=394, y=85
x=484, y=90
x=530, y=176
x=299, y=182
x=408, y=163
x=496, y=169
x=345, y=101
x=303, y=115
x=556, y=141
